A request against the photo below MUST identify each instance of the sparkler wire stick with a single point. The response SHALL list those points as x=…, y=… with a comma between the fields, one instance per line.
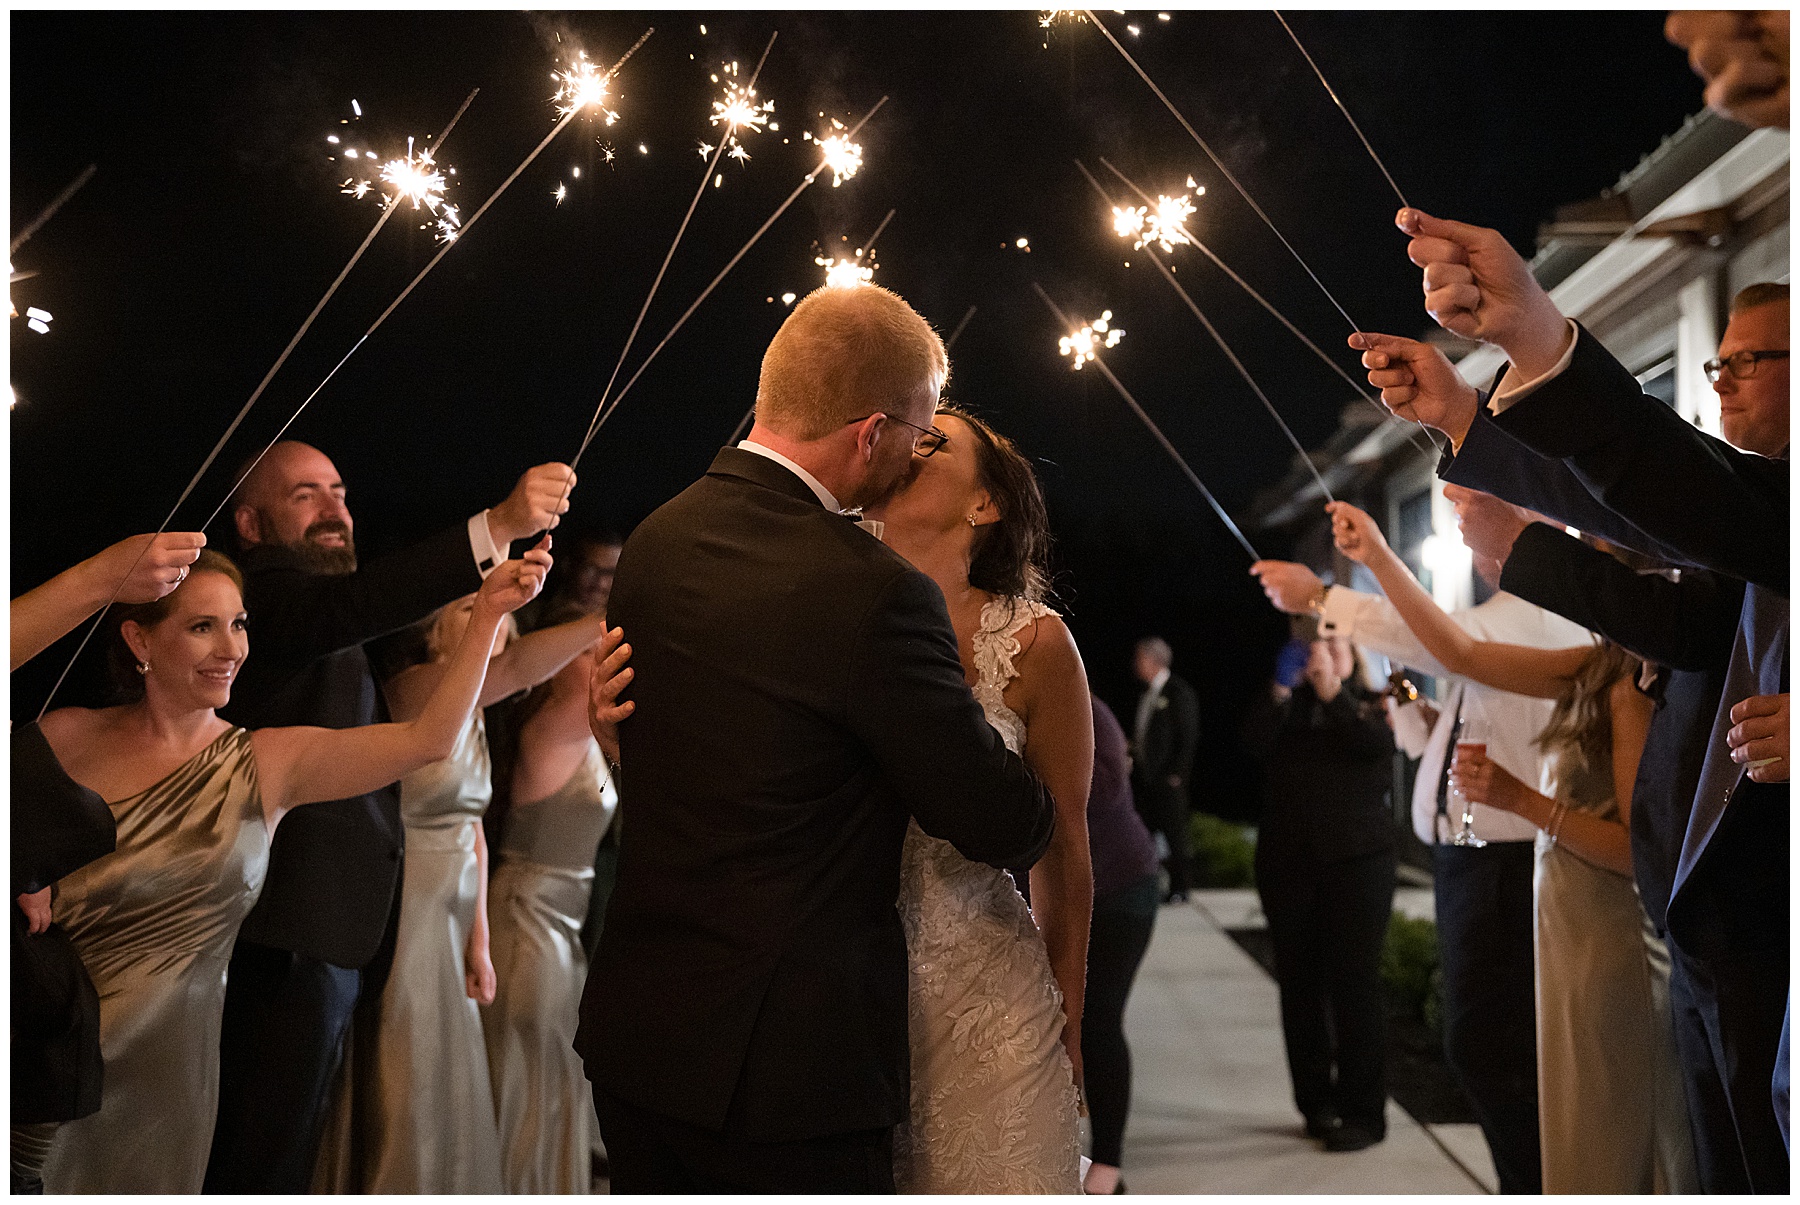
x=1229, y=354
x=681, y=230
x=386, y=212
x=743, y=424
x=1220, y=164
x=56, y=204
x=1332, y=92
x=1155, y=430
x=957, y=333
x=804, y=184
x=1429, y=448
x=423, y=273
x=868, y=248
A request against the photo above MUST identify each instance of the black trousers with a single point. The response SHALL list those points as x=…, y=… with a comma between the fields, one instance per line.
x=1486, y=922
x=1327, y=922
x=1166, y=810
x=1727, y=1027
x=654, y=1154
x=1117, y=939
x=284, y=1025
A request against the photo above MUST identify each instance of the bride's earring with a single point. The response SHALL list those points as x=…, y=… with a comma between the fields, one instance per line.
x=971, y=520
x=143, y=667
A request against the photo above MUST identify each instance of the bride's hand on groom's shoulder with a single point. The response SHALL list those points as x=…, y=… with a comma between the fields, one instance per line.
x=611, y=676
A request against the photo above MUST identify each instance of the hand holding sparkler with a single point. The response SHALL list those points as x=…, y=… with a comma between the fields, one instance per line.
x=1357, y=536
x=1478, y=287
x=535, y=504
x=1418, y=383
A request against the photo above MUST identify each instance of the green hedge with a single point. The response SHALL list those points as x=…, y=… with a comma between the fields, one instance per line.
x=1409, y=966
x=1224, y=853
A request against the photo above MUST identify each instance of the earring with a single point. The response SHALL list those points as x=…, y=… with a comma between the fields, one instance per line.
x=143, y=667
x=971, y=520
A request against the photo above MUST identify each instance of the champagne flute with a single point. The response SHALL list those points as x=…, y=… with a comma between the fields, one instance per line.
x=1471, y=735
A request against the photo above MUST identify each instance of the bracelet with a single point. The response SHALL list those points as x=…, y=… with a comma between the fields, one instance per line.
x=1557, y=811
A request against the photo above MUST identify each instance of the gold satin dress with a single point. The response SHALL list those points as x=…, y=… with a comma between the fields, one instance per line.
x=154, y=922
x=415, y=1112
x=536, y=904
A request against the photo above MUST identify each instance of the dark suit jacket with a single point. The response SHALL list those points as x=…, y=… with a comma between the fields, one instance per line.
x=333, y=866
x=1168, y=750
x=1686, y=627
x=1327, y=772
x=798, y=695
x=1722, y=509
x=1711, y=506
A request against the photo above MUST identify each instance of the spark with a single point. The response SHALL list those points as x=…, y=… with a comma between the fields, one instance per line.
x=1133, y=30
x=1165, y=224
x=449, y=224
x=642, y=149
x=1048, y=17
x=738, y=111
x=1162, y=16
x=787, y=298
x=332, y=139
x=584, y=86
x=576, y=172
x=1023, y=244
x=561, y=194
x=415, y=179
x=842, y=156
x=706, y=148
x=356, y=108
x=607, y=154
x=1085, y=344
x=844, y=273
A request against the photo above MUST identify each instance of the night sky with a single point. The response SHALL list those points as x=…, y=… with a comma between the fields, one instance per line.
x=215, y=223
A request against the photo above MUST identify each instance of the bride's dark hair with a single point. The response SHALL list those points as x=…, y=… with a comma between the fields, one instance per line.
x=1011, y=555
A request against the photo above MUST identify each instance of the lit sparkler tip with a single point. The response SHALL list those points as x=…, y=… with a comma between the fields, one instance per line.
x=416, y=179
x=1093, y=337
x=1049, y=16
x=584, y=86
x=842, y=156
x=844, y=273
x=1164, y=224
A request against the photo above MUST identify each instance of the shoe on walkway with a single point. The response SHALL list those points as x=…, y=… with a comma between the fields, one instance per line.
x=1322, y=1125
x=1352, y=1137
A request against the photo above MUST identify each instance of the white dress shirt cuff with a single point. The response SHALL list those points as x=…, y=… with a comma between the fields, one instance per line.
x=488, y=555
x=1341, y=610
x=1511, y=391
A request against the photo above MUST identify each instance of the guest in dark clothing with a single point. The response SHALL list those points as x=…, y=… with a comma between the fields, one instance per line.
x=1125, y=899
x=1164, y=736
x=327, y=911
x=1325, y=872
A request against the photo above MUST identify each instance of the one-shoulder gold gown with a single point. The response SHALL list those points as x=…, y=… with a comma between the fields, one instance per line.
x=154, y=922
x=536, y=904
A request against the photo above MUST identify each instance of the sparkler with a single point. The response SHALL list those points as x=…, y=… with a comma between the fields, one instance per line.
x=805, y=183
x=1332, y=92
x=243, y=412
x=737, y=110
x=589, y=91
x=1429, y=448
x=1212, y=330
x=56, y=203
x=957, y=333
x=848, y=273
x=1125, y=395
x=1220, y=164
x=842, y=156
x=1086, y=343
x=721, y=108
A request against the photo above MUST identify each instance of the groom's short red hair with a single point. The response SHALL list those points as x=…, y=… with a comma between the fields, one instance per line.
x=842, y=354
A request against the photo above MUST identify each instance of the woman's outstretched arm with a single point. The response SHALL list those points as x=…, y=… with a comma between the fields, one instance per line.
x=307, y=765
x=1523, y=670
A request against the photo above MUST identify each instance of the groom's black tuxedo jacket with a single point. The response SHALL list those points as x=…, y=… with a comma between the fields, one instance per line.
x=798, y=695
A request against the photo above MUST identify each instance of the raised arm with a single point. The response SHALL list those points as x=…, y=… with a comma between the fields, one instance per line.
x=1543, y=673
x=531, y=660
x=1059, y=748
x=140, y=569
x=308, y=765
x=908, y=703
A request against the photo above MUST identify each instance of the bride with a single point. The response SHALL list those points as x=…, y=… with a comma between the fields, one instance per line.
x=996, y=987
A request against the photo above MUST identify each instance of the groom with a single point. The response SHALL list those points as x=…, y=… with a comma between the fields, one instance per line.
x=798, y=696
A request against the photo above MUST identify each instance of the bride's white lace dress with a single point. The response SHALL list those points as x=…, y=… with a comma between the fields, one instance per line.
x=993, y=1091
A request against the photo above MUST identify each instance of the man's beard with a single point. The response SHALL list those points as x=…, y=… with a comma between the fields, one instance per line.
x=323, y=559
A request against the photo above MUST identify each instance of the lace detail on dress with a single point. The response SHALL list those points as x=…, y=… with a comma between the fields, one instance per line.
x=993, y=1094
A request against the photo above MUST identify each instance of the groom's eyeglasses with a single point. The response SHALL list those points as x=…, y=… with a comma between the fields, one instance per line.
x=925, y=444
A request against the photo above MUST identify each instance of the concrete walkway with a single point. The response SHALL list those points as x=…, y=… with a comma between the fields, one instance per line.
x=1212, y=1109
